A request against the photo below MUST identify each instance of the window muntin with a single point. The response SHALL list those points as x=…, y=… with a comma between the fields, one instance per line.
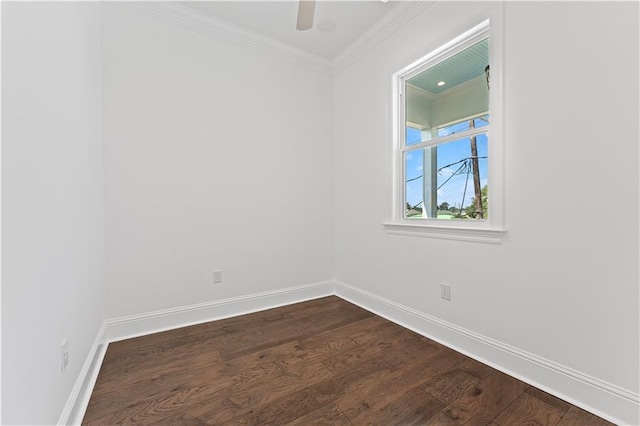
x=463, y=125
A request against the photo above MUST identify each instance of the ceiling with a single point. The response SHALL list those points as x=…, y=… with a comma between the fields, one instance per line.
x=277, y=20
x=458, y=69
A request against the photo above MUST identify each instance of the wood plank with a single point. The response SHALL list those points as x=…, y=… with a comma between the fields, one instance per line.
x=149, y=340
x=168, y=365
x=363, y=331
x=451, y=385
x=414, y=348
x=295, y=352
x=276, y=353
x=578, y=417
x=363, y=402
x=370, y=350
x=549, y=399
x=259, y=337
x=233, y=324
x=415, y=407
x=177, y=399
x=528, y=410
x=151, y=412
x=242, y=400
x=145, y=357
x=305, y=401
x=477, y=369
x=338, y=317
x=117, y=399
x=375, y=328
x=292, y=380
x=265, y=335
x=312, y=350
x=230, y=325
x=315, y=309
x=483, y=403
x=339, y=311
x=329, y=415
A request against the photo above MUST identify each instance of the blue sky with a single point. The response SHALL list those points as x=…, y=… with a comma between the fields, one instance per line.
x=451, y=152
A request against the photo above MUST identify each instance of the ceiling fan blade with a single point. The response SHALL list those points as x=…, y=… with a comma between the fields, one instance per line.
x=306, y=9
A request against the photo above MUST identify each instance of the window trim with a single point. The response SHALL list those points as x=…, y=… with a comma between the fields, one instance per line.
x=491, y=230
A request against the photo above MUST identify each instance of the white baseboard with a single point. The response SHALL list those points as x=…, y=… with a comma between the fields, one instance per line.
x=167, y=319
x=78, y=400
x=603, y=399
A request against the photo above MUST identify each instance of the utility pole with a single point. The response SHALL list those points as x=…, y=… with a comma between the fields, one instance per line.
x=476, y=174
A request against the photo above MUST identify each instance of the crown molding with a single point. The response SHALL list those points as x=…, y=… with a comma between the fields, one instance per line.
x=399, y=16
x=174, y=13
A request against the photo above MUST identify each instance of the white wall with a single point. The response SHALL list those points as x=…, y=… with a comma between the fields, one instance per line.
x=216, y=157
x=52, y=201
x=564, y=283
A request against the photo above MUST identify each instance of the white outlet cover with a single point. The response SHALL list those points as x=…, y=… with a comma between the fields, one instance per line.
x=445, y=291
x=64, y=355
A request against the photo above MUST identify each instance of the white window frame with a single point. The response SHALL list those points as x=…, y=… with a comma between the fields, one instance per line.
x=489, y=230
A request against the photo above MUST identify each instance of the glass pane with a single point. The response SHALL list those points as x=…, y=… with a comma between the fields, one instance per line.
x=414, y=183
x=481, y=121
x=461, y=178
x=447, y=181
x=413, y=136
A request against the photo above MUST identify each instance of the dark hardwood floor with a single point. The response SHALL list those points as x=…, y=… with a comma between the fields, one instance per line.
x=320, y=362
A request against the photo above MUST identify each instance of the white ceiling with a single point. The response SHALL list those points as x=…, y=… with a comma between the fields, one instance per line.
x=277, y=20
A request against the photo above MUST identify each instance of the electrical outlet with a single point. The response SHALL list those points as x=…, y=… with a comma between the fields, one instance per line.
x=445, y=291
x=64, y=355
x=217, y=277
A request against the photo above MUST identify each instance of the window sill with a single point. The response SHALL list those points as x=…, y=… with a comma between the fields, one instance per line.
x=446, y=232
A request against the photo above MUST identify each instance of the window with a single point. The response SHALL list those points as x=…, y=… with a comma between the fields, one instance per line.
x=447, y=177
x=448, y=142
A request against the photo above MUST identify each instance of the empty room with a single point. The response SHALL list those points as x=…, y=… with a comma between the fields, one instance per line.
x=320, y=212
